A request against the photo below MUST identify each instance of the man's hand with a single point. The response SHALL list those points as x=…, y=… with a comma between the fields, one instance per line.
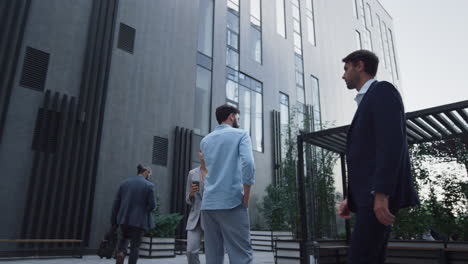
x=194, y=189
x=381, y=210
x=343, y=210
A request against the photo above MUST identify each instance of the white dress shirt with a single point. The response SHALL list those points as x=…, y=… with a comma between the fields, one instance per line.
x=363, y=91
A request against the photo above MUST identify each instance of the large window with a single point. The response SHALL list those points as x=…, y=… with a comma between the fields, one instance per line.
x=280, y=18
x=355, y=9
x=310, y=21
x=299, y=63
x=369, y=22
x=243, y=91
x=202, y=101
x=392, y=50
x=361, y=12
x=367, y=40
x=205, y=27
x=380, y=37
x=316, y=108
x=358, y=40
x=284, y=122
x=256, y=30
x=386, y=47
x=246, y=93
x=232, y=49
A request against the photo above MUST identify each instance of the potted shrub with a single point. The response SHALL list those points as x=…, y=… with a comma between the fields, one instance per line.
x=159, y=242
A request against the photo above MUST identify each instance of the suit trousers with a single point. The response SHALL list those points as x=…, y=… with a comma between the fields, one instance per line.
x=133, y=235
x=230, y=229
x=194, y=238
x=369, y=239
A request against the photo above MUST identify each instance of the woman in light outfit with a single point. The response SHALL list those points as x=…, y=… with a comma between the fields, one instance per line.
x=193, y=197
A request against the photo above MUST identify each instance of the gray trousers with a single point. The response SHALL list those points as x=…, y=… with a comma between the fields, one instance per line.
x=228, y=229
x=194, y=238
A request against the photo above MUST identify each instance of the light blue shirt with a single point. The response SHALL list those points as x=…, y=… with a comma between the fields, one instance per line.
x=229, y=160
x=363, y=90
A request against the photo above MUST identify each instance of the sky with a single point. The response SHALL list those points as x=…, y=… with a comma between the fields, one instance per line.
x=432, y=46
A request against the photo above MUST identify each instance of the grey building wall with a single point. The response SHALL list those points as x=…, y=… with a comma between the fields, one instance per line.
x=151, y=91
x=59, y=28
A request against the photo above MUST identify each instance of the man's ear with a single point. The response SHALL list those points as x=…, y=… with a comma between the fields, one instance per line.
x=360, y=66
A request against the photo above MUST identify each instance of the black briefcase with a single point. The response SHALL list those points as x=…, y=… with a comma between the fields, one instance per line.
x=108, y=245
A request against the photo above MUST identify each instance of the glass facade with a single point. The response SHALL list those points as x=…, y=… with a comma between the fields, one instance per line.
x=392, y=50
x=242, y=91
x=316, y=108
x=386, y=47
x=369, y=22
x=284, y=122
x=203, y=85
x=361, y=12
x=380, y=38
x=205, y=27
x=310, y=21
x=280, y=18
x=299, y=63
x=256, y=30
x=358, y=40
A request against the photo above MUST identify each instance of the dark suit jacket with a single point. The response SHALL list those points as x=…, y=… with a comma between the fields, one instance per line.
x=377, y=150
x=133, y=203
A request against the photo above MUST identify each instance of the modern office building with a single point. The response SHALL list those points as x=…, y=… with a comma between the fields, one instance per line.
x=89, y=89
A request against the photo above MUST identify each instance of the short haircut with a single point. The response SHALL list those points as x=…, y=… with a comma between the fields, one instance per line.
x=223, y=112
x=142, y=168
x=370, y=60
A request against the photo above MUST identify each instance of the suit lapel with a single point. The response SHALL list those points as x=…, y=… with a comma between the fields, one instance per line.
x=358, y=111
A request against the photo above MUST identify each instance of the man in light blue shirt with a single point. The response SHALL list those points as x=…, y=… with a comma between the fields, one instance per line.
x=231, y=169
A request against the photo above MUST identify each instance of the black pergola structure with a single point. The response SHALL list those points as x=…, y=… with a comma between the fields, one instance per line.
x=431, y=124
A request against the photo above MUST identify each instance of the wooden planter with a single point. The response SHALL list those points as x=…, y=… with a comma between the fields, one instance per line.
x=154, y=247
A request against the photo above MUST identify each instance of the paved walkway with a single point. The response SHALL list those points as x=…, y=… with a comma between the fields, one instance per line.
x=259, y=258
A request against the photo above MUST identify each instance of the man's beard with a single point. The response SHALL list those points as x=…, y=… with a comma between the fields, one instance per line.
x=235, y=124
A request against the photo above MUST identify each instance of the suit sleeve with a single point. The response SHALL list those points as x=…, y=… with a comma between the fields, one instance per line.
x=116, y=207
x=389, y=128
x=247, y=161
x=188, y=188
x=151, y=198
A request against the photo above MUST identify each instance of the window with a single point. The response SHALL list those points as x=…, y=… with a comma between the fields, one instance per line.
x=299, y=64
x=369, y=21
x=380, y=37
x=280, y=18
x=361, y=12
x=247, y=94
x=355, y=9
x=367, y=40
x=256, y=44
x=202, y=101
x=205, y=27
x=284, y=123
x=358, y=40
x=392, y=50
x=232, y=59
x=232, y=37
x=255, y=31
x=386, y=47
x=310, y=21
x=316, y=107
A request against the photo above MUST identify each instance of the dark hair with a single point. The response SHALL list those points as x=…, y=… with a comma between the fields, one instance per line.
x=223, y=112
x=142, y=168
x=370, y=60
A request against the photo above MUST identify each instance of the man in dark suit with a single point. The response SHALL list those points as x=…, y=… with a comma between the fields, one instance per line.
x=377, y=157
x=132, y=212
